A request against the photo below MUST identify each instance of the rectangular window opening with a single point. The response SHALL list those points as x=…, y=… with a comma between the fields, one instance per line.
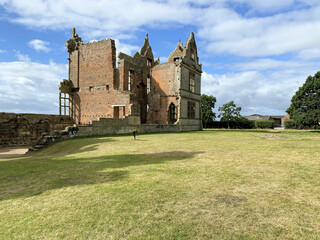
x=115, y=112
x=192, y=54
x=191, y=82
x=64, y=103
x=148, y=84
x=130, y=79
x=191, y=110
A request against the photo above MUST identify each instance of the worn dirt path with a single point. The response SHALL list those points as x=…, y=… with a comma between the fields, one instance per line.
x=6, y=152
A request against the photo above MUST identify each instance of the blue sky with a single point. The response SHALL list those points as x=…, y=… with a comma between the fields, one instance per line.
x=254, y=52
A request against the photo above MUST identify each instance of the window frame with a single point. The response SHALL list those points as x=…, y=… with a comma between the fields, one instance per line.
x=192, y=82
x=130, y=79
x=193, y=54
x=148, y=84
x=172, y=112
x=191, y=110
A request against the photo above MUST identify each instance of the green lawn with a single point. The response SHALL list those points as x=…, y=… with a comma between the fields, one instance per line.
x=215, y=184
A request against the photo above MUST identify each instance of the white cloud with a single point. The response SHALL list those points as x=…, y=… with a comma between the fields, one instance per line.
x=257, y=92
x=39, y=45
x=2, y=51
x=268, y=5
x=219, y=26
x=265, y=84
x=272, y=64
x=227, y=32
x=21, y=57
x=310, y=53
x=30, y=87
x=126, y=48
x=98, y=19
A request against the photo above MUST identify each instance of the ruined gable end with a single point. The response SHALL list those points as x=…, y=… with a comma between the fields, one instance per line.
x=176, y=55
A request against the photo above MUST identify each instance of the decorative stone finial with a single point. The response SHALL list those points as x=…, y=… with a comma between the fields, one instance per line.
x=73, y=42
x=73, y=32
x=145, y=45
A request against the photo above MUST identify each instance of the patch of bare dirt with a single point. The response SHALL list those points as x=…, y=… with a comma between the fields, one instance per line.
x=230, y=199
x=271, y=136
x=285, y=136
x=6, y=152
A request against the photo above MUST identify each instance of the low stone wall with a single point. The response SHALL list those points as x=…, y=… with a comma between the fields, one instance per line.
x=18, y=129
x=126, y=125
x=105, y=126
x=28, y=129
x=151, y=128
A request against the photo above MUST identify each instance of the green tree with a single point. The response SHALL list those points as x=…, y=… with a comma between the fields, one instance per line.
x=229, y=112
x=207, y=105
x=305, y=104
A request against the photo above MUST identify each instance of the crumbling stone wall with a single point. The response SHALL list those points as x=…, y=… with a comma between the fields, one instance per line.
x=26, y=129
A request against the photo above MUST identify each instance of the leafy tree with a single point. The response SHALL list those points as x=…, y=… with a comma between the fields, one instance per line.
x=305, y=104
x=229, y=112
x=207, y=104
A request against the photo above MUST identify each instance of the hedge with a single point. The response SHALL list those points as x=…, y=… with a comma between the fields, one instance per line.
x=264, y=124
x=238, y=123
x=289, y=124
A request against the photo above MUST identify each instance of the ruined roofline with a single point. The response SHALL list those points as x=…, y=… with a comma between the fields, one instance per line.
x=145, y=51
x=180, y=50
x=97, y=41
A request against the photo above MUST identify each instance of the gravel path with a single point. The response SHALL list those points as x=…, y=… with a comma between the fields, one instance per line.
x=6, y=152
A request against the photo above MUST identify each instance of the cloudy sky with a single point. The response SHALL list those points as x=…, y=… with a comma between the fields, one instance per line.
x=255, y=52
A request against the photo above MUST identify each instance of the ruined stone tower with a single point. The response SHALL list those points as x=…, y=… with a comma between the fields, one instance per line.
x=167, y=93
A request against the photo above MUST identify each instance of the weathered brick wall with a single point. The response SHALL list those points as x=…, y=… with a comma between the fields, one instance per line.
x=100, y=102
x=96, y=73
x=97, y=63
x=138, y=87
x=285, y=118
x=25, y=129
x=165, y=84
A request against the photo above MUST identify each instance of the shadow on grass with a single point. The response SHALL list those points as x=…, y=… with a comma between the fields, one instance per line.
x=71, y=146
x=29, y=176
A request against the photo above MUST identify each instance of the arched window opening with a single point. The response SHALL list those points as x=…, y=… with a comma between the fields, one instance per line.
x=172, y=113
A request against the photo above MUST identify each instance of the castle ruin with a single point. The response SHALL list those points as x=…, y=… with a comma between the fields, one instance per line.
x=166, y=93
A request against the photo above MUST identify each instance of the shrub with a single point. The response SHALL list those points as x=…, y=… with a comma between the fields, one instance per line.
x=217, y=124
x=241, y=123
x=264, y=124
x=289, y=124
x=236, y=123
